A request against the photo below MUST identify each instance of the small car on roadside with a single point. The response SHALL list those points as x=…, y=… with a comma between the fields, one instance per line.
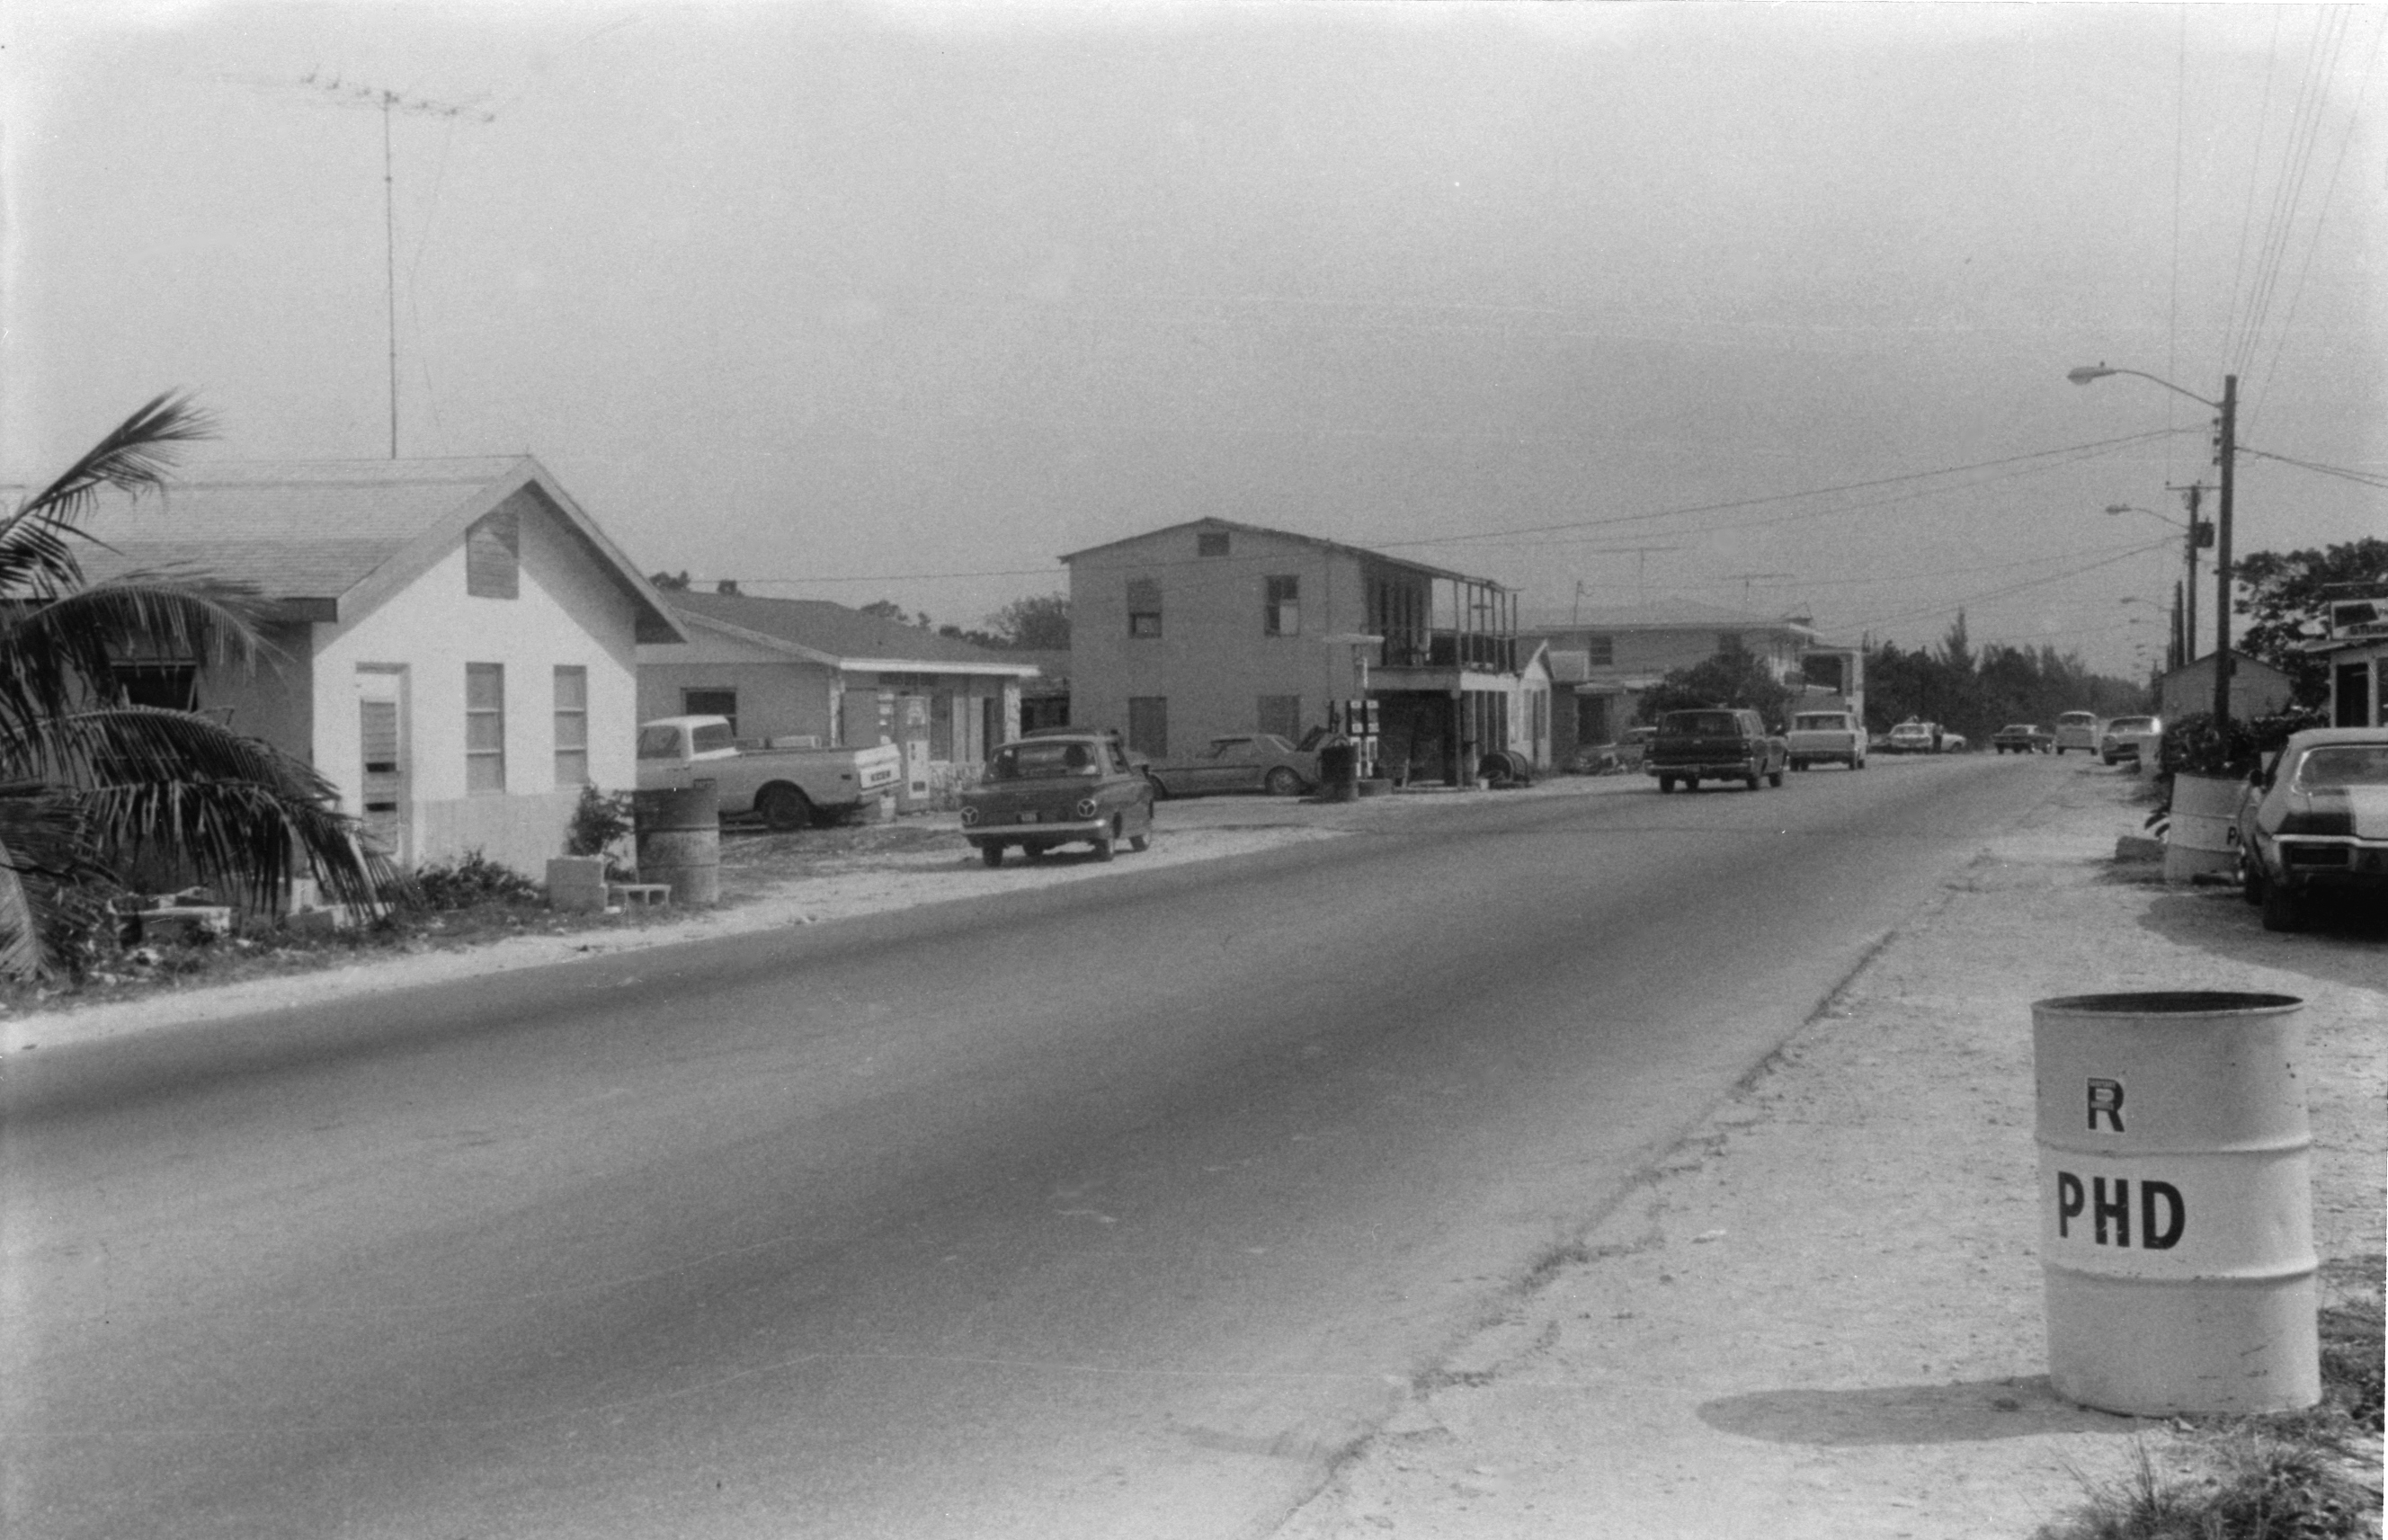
x=1913, y=736
x=1055, y=789
x=2077, y=730
x=2023, y=738
x=1244, y=762
x=2314, y=827
x=2132, y=738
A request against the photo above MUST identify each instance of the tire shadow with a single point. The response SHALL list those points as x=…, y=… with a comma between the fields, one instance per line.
x=2343, y=946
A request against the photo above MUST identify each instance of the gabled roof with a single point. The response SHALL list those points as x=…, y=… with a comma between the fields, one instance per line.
x=328, y=540
x=1314, y=540
x=1665, y=615
x=819, y=631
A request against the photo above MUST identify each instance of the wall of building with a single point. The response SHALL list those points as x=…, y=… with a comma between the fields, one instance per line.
x=2257, y=689
x=778, y=697
x=1214, y=658
x=569, y=611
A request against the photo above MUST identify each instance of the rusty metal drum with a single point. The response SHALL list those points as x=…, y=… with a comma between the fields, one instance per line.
x=679, y=842
x=2202, y=839
x=2176, y=1196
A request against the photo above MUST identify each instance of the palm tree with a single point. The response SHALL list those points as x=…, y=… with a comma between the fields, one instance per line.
x=92, y=787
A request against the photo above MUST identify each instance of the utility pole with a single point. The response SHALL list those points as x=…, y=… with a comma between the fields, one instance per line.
x=2200, y=533
x=391, y=103
x=2228, y=446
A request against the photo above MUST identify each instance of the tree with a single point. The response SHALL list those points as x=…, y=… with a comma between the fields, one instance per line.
x=92, y=787
x=2288, y=595
x=1730, y=679
x=1042, y=622
x=888, y=609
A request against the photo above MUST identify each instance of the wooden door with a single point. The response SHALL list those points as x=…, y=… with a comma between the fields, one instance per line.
x=382, y=742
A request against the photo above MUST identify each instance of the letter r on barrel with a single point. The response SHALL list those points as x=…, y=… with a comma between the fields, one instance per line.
x=2106, y=1100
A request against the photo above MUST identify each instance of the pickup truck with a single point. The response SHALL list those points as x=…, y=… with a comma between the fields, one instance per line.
x=1826, y=738
x=788, y=788
x=1719, y=744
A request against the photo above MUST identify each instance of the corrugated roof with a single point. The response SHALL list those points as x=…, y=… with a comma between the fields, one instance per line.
x=834, y=631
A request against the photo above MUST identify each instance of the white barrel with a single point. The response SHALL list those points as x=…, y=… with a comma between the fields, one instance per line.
x=2176, y=1195
x=2201, y=838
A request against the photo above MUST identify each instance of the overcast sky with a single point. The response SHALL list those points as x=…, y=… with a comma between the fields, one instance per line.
x=857, y=300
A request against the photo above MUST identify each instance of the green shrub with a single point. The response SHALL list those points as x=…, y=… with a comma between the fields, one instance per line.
x=600, y=820
x=472, y=881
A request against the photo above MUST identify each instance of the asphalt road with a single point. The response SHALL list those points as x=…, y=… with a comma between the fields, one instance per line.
x=1114, y=1209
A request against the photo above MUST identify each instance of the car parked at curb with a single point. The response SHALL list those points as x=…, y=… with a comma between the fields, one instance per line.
x=1244, y=762
x=2314, y=827
x=2132, y=738
x=1056, y=789
x=2077, y=730
x=2023, y=738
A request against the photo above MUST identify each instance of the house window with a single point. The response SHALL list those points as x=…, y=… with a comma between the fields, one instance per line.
x=493, y=556
x=1148, y=725
x=485, y=727
x=174, y=686
x=1600, y=651
x=1143, y=607
x=1281, y=607
x=711, y=702
x=1210, y=542
x=571, y=725
x=1282, y=716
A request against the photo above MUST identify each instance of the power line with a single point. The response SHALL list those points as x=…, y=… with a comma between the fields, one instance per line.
x=2366, y=478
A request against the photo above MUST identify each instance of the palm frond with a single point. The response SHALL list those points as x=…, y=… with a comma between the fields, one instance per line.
x=60, y=654
x=46, y=873
x=21, y=927
x=34, y=555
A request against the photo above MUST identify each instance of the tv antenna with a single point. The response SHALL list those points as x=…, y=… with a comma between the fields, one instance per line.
x=342, y=93
x=1745, y=579
x=1641, y=554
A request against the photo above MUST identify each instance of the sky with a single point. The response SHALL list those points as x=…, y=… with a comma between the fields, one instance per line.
x=1762, y=306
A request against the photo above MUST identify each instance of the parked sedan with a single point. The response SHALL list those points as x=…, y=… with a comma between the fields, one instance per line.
x=1252, y=762
x=1075, y=788
x=1913, y=736
x=2315, y=825
x=2132, y=738
x=2023, y=738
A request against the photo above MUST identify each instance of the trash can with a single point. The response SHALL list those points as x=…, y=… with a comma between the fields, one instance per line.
x=2202, y=838
x=1339, y=766
x=679, y=842
x=2176, y=1197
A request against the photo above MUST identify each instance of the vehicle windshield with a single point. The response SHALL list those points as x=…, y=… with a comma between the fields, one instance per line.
x=2132, y=724
x=2021, y=727
x=2076, y=719
x=1045, y=760
x=1711, y=723
x=1825, y=720
x=2342, y=765
x=712, y=737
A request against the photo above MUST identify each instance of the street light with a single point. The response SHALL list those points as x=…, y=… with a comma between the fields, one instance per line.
x=2193, y=527
x=2227, y=452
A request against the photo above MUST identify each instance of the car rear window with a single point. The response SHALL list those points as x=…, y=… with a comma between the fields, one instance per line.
x=1823, y=720
x=2343, y=765
x=1702, y=723
x=1045, y=759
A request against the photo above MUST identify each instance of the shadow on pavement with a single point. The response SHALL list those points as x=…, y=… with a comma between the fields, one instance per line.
x=2344, y=947
x=1966, y=1412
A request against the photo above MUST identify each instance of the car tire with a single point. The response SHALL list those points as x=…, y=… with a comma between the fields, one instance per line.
x=1752, y=778
x=1140, y=843
x=1774, y=778
x=1160, y=791
x=783, y=807
x=2250, y=880
x=2283, y=910
x=991, y=854
x=1282, y=781
x=1666, y=785
x=1107, y=843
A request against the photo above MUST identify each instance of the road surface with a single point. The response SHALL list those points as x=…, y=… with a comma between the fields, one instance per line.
x=1114, y=1208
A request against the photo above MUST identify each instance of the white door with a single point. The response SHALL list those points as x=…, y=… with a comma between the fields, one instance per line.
x=382, y=744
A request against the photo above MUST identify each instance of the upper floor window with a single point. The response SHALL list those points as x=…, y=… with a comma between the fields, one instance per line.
x=493, y=556
x=1143, y=607
x=1281, y=608
x=1210, y=542
x=1600, y=651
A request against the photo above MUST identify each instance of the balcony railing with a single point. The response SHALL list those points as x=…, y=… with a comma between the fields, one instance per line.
x=1488, y=650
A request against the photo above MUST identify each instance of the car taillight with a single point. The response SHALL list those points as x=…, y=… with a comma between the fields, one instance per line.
x=2314, y=854
x=1085, y=807
x=2322, y=816
x=969, y=816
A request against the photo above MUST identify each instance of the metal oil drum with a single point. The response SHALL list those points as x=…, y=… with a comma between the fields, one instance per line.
x=2202, y=834
x=679, y=841
x=2176, y=1198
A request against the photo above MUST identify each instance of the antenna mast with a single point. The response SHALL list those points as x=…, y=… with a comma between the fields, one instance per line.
x=345, y=94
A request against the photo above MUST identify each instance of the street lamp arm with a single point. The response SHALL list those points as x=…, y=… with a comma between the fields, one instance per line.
x=2087, y=373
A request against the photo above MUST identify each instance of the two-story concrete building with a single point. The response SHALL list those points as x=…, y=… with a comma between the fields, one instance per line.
x=1212, y=628
x=1602, y=660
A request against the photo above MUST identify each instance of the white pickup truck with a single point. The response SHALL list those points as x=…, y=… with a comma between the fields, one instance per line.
x=1827, y=738
x=787, y=787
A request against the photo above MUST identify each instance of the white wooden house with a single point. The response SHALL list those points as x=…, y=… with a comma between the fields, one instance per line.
x=454, y=641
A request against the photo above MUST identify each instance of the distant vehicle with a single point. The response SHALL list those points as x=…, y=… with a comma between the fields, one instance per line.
x=1055, y=789
x=1719, y=744
x=1246, y=762
x=787, y=787
x=2078, y=729
x=2132, y=738
x=1913, y=736
x=1826, y=738
x=2023, y=738
x=2314, y=827
x=1953, y=742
